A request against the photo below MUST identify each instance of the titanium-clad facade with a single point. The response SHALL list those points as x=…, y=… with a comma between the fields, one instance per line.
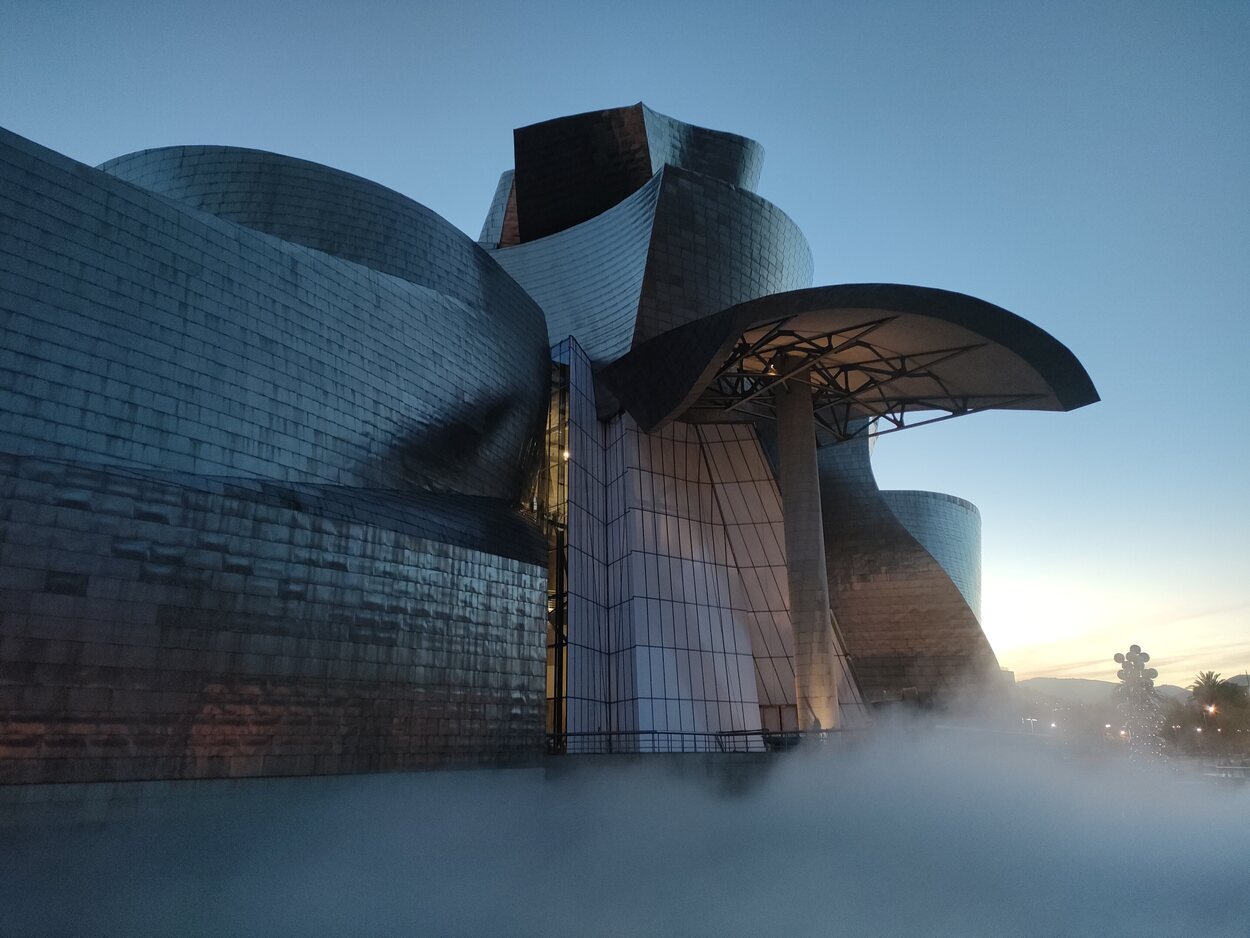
x=162, y=627
x=699, y=646
x=627, y=275
x=949, y=528
x=571, y=169
x=678, y=285
x=297, y=478
x=143, y=332
x=908, y=626
x=258, y=496
x=589, y=279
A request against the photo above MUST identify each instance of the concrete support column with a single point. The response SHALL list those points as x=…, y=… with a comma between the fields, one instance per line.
x=815, y=680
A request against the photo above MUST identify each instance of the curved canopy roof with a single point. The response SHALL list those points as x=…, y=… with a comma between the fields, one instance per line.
x=867, y=349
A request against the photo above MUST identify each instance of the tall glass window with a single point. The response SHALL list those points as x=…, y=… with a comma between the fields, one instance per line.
x=551, y=502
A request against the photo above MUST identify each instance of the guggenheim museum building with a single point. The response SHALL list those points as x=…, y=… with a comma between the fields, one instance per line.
x=297, y=478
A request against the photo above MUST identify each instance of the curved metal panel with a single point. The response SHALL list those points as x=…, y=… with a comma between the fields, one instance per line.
x=949, y=528
x=728, y=157
x=906, y=625
x=492, y=234
x=211, y=348
x=196, y=628
x=588, y=279
x=714, y=246
x=940, y=346
x=257, y=498
x=326, y=209
x=654, y=262
x=570, y=169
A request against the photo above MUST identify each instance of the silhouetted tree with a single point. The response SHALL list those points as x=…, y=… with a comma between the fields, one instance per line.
x=1221, y=710
x=1208, y=690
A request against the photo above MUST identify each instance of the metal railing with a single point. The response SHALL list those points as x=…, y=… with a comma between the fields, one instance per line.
x=648, y=741
x=1230, y=771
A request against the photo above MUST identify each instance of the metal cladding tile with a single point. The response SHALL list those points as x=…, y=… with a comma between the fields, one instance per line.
x=905, y=621
x=588, y=279
x=288, y=412
x=571, y=169
x=336, y=657
x=262, y=343
x=696, y=269
x=949, y=528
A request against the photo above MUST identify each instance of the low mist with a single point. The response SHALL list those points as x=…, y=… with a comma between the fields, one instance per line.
x=914, y=832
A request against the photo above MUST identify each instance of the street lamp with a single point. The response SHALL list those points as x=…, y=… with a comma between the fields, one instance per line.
x=1206, y=714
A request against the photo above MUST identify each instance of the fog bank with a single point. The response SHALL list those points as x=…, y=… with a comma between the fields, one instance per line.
x=913, y=833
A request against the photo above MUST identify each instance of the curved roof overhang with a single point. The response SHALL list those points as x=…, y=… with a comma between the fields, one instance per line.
x=869, y=350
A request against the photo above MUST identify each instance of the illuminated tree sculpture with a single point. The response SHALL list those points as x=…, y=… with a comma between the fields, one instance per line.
x=1139, y=705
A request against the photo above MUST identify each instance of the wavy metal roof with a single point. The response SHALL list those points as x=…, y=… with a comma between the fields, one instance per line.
x=887, y=351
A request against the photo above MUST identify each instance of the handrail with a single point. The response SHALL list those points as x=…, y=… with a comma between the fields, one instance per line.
x=626, y=742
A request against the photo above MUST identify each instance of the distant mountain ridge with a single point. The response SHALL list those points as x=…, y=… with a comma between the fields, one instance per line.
x=1083, y=691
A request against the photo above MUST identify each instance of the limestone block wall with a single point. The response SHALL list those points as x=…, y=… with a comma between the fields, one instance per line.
x=746, y=493
x=699, y=631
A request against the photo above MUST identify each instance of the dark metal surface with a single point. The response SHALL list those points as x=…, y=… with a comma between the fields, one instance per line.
x=653, y=262
x=906, y=624
x=256, y=495
x=872, y=350
x=570, y=169
x=588, y=279
x=263, y=425
x=152, y=628
x=145, y=332
x=331, y=211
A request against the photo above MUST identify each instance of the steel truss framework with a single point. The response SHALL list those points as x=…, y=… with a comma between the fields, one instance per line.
x=852, y=380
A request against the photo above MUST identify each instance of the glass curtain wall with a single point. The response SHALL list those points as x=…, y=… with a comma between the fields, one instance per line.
x=551, y=502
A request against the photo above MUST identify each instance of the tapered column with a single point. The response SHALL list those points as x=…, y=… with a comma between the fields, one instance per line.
x=815, y=681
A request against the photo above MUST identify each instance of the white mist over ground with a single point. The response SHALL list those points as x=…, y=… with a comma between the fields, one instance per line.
x=913, y=832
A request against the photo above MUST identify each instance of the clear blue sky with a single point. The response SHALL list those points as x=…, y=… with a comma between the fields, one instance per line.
x=1086, y=165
